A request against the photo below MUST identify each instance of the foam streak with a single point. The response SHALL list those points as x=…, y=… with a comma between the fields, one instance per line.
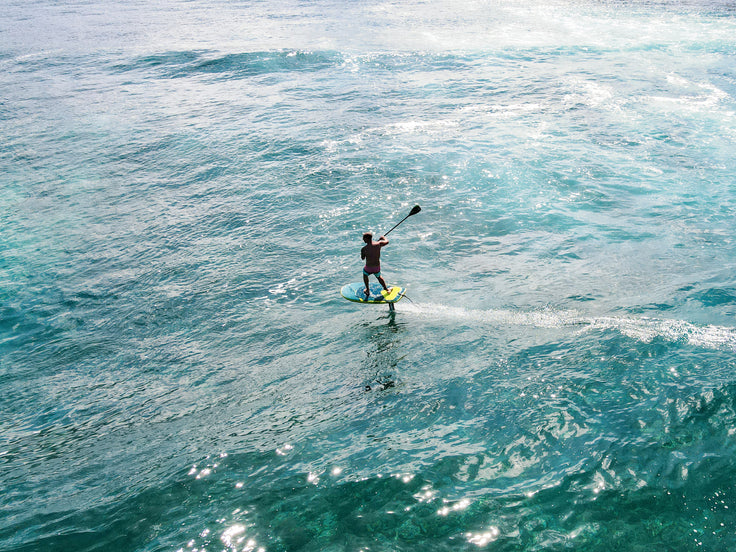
x=642, y=329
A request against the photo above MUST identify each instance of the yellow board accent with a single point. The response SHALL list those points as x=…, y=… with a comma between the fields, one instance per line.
x=391, y=294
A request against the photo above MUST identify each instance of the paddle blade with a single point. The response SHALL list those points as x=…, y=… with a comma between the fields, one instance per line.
x=415, y=210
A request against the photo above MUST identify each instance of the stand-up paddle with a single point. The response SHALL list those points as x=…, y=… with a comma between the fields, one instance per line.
x=414, y=211
x=356, y=292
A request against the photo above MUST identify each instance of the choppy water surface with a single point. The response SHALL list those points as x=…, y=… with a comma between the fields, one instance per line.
x=184, y=190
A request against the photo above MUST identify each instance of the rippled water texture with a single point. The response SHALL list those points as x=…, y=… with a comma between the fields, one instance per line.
x=184, y=190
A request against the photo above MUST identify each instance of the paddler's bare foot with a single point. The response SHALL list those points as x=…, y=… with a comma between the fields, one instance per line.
x=367, y=293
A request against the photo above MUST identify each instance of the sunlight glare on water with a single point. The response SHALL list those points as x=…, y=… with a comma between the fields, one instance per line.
x=186, y=185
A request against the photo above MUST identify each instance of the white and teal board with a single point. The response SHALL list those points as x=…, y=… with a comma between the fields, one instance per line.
x=356, y=292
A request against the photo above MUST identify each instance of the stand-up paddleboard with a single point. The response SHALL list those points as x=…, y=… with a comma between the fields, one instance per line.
x=356, y=292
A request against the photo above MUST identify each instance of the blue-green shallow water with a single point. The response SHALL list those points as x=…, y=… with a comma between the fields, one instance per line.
x=184, y=189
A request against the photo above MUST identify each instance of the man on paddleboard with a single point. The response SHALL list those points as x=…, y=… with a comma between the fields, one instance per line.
x=371, y=253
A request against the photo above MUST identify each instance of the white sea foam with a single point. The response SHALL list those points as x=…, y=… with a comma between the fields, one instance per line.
x=642, y=329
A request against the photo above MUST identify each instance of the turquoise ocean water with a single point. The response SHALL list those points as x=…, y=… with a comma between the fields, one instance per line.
x=184, y=186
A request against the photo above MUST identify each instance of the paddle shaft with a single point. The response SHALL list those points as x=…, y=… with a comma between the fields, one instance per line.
x=402, y=220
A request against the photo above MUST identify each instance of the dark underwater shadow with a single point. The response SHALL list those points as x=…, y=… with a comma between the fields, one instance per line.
x=383, y=340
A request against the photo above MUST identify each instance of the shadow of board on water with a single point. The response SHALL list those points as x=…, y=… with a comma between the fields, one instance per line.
x=382, y=358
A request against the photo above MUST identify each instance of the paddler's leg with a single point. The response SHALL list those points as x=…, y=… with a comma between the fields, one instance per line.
x=367, y=286
x=381, y=281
